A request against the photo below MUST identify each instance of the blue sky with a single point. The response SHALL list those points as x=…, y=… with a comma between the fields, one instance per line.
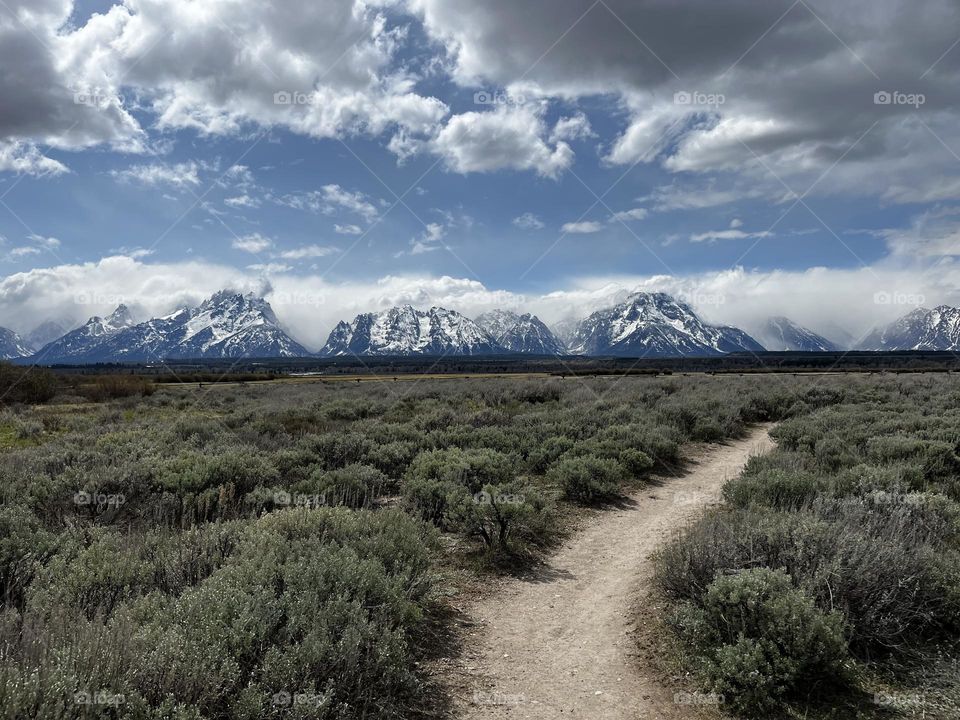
x=143, y=156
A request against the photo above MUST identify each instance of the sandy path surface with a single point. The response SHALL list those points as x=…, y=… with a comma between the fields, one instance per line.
x=558, y=644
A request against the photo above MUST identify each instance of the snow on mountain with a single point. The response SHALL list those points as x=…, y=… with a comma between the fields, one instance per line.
x=12, y=345
x=45, y=333
x=228, y=324
x=655, y=325
x=565, y=330
x=405, y=330
x=85, y=338
x=921, y=329
x=524, y=333
x=780, y=333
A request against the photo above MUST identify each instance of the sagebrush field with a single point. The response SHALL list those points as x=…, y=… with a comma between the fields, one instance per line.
x=288, y=550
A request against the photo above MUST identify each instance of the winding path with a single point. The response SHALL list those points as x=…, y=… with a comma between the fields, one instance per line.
x=558, y=644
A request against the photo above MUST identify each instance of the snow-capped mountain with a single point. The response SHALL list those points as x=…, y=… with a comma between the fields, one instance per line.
x=405, y=330
x=565, y=330
x=922, y=329
x=228, y=324
x=780, y=333
x=524, y=333
x=84, y=339
x=12, y=345
x=45, y=333
x=655, y=325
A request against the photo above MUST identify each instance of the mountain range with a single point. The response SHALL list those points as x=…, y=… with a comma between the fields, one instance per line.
x=226, y=325
x=782, y=334
x=405, y=330
x=230, y=324
x=921, y=329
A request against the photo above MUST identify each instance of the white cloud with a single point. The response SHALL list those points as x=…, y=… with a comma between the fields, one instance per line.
x=347, y=229
x=269, y=268
x=748, y=297
x=731, y=234
x=933, y=233
x=528, y=221
x=254, y=243
x=505, y=138
x=581, y=228
x=576, y=127
x=630, y=215
x=307, y=251
x=50, y=243
x=242, y=201
x=26, y=159
x=180, y=175
x=329, y=200
x=428, y=240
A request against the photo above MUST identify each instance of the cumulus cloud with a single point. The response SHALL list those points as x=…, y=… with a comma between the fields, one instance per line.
x=254, y=243
x=630, y=215
x=505, y=138
x=584, y=227
x=751, y=88
x=26, y=159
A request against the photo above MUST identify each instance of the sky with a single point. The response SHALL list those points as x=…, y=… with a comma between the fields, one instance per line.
x=753, y=158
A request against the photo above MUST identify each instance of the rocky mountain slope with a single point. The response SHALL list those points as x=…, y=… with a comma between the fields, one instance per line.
x=521, y=333
x=655, y=325
x=405, y=330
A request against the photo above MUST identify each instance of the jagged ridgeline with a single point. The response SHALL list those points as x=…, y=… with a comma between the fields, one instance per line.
x=230, y=324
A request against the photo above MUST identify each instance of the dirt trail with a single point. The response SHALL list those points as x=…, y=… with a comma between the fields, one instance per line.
x=558, y=644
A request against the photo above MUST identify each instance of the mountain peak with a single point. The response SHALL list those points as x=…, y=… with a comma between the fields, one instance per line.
x=780, y=333
x=227, y=324
x=524, y=333
x=120, y=318
x=404, y=330
x=655, y=325
x=919, y=329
